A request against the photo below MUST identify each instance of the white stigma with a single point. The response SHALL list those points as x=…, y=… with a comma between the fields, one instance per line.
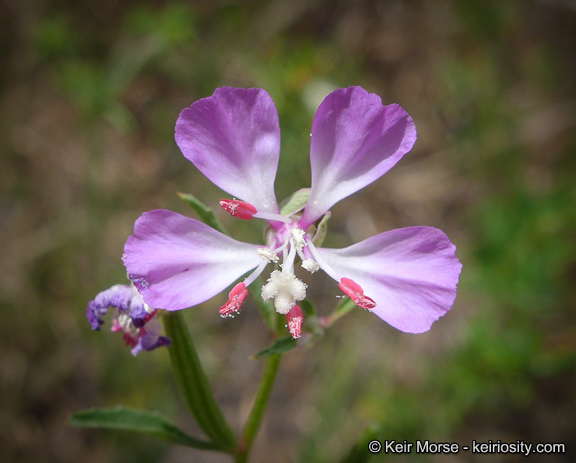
x=285, y=288
x=268, y=255
x=311, y=265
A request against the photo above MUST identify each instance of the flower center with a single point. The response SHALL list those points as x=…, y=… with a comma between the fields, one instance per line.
x=288, y=241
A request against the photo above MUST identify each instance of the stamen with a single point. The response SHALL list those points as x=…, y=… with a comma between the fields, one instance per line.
x=323, y=264
x=247, y=211
x=271, y=216
x=255, y=274
x=355, y=292
x=268, y=255
x=295, y=319
x=311, y=265
x=298, y=236
x=235, y=299
x=240, y=209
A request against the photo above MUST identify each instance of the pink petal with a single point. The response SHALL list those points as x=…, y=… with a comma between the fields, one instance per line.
x=233, y=138
x=411, y=274
x=178, y=262
x=355, y=140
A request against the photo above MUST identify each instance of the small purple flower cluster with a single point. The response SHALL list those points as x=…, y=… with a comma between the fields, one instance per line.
x=137, y=322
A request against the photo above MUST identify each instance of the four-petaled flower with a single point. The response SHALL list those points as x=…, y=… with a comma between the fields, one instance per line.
x=407, y=277
x=135, y=319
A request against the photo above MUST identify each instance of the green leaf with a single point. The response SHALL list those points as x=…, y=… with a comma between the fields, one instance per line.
x=205, y=213
x=295, y=202
x=193, y=383
x=127, y=419
x=280, y=346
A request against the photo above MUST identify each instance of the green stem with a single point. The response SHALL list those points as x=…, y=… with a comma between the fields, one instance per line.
x=255, y=419
x=194, y=385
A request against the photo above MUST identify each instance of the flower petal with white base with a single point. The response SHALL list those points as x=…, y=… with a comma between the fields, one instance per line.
x=233, y=138
x=178, y=262
x=410, y=273
x=355, y=140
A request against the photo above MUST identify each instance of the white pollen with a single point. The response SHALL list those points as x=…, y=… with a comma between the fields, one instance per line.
x=298, y=236
x=268, y=255
x=311, y=265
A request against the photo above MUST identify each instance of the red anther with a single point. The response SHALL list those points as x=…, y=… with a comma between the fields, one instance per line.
x=235, y=299
x=295, y=320
x=239, y=209
x=355, y=292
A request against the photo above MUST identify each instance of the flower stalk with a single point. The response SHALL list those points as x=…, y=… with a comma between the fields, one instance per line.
x=193, y=384
x=254, y=420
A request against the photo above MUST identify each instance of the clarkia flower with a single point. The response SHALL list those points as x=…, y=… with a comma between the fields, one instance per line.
x=135, y=319
x=407, y=277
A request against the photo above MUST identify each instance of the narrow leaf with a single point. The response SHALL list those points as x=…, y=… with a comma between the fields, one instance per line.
x=280, y=346
x=127, y=419
x=193, y=383
x=205, y=213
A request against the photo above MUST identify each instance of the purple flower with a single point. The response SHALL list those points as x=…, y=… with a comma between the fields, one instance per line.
x=407, y=277
x=135, y=319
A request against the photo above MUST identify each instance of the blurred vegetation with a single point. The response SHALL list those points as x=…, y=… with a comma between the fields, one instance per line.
x=90, y=95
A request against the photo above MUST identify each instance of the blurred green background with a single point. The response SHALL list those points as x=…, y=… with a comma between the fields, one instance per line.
x=90, y=95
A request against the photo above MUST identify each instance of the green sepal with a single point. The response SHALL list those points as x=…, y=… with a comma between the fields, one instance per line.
x=205, y=213
x=128, y=419
x=295, y=202
x=280, y=346
x=322, y=230
x=193, y=383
